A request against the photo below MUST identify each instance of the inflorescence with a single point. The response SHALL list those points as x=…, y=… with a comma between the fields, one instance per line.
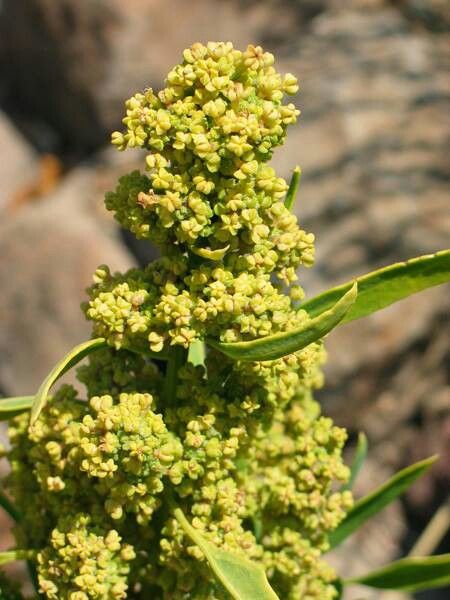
x=241, y=447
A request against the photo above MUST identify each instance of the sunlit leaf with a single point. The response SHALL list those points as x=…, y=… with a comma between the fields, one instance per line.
x=12, y=555
x=293, y=188
x=71, y=359
x=11, y=407
x=281, y=344
x=385, y=286
x=371, y=504
x=196, y=354
x=242, y=578
x=358, y=461
x=409, y=574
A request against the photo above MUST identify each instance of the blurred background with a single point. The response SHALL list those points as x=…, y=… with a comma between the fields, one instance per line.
x=373, y=142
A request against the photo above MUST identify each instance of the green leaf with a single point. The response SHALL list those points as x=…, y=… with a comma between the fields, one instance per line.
x=358, y=461
x=339, y=585
x=409, y=574
x=293, y=188
x=15, y=516
x=196, y=354
x=381, y=288
x=371, y=504
x=12, y=555
x=281, y=344
x=211, y=254
x=71, y=359
x=9, y=508
x=11, y=407
x=242, y=578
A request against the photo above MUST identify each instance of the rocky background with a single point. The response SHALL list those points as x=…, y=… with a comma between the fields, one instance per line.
x=373, y=143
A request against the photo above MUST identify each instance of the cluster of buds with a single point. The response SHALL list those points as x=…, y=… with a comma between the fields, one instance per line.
x=82, y=563
x=240, y=447
x=210, y=202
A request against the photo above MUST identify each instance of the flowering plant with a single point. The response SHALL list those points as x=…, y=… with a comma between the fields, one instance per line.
x=200, y=467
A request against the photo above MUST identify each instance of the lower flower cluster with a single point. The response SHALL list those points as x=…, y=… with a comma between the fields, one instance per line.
x=244, y=452
x=83, y=561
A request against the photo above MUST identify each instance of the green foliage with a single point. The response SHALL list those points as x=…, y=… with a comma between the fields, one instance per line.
x=282, y=344
x=362, y=448
x=370, y=505
x=381, y=288
x=8, y=507
x=71, y=359
x=11, y=407
x=197, y=353
x=409, y=574
x=13, y=555
x=243, y=579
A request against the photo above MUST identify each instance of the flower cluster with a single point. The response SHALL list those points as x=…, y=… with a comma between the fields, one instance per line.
x=127, y=450
x=152, y=308
x=240, y=447
x=211, y=204
x=83, y=563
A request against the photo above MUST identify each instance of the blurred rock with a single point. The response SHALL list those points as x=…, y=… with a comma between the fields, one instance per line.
x=432, y=14
x=18, y=164
x=90, y=56
x=48, y=254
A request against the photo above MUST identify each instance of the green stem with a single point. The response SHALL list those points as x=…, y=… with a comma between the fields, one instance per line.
x=177, y=358
x=16, y=516
x=9, y=508
x=13, y=555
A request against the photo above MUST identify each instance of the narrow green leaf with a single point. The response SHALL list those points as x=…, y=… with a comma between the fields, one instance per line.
x=71, y=359
x=409, y=574
x=12, y=555
x=358, y=461
x=281, y=344
x=339, y=585
x=373, y=503
x=211, y=254
x=197, y=352
x=242, y=578
x=11, y=407
x=9, y=508
x=293, y=188
x=381, y=288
